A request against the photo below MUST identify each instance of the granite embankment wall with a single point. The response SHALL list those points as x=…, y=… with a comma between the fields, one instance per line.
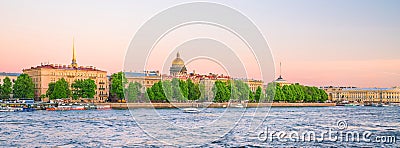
x=213, y=105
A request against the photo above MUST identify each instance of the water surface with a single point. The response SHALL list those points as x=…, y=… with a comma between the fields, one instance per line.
x=117, y=128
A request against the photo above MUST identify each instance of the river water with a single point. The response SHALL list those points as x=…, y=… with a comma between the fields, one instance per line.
x=117, y=128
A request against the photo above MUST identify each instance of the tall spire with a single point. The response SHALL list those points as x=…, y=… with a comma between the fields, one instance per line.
x=280, y=71
x=73, y=64
x=178, y=55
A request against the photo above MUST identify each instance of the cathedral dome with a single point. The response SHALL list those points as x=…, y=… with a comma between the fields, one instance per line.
x=178, y=61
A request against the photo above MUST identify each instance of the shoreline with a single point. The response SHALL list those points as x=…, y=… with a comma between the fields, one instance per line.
x=213, y=105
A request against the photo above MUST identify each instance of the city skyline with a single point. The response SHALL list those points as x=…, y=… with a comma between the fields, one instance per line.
x=316, y=44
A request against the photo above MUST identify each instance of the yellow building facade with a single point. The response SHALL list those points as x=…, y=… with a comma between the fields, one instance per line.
x=46, y=73
x=369, y=95
x=254, y=84
x=146, y=79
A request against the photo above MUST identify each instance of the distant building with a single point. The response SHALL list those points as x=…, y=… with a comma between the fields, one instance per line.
x=147, y=78
x=178, y=70
x=46, y=73
x=178, y=67
x=254, y=84
x=354, y=94
x=12, y=76
x=280, y=81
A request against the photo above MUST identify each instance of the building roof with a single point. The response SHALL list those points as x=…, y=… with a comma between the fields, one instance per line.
x=9, y=74
x=369, y=89
x=65, y=67
x=140, y=74
x=280, y=79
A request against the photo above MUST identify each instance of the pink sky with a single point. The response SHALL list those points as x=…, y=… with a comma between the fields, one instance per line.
x=316, y=46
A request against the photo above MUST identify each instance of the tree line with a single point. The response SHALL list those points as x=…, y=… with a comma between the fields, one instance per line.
x=174, y=90
x=177, y=90
x=295, y=93
x=23, y=87
x=78, y=89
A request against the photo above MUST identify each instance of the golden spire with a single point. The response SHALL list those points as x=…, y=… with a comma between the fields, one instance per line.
x=73, y=64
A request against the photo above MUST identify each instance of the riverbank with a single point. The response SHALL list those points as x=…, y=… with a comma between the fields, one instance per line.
x=212, y=105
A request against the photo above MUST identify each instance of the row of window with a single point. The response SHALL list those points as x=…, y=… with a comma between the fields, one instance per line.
x=100, y=92
x=36, y=79
x=147, y=82
x=79, y=74
x=71, y=80
x=387, y=96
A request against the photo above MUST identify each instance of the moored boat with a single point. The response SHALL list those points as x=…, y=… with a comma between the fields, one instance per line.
x=59, y=108
x=377, y=105
x=351, y=104
x=7, y=109
x=67, y=107
x=77, y=107
x=191, y=110
x=16, y=109
x=103, y=107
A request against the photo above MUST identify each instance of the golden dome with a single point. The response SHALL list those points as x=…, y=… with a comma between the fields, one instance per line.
x=178, y=60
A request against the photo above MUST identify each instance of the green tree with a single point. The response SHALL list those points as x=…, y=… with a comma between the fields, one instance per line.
x=251, y=96
x=184, y=90
x=270, y=92
x=288, y=93
x=50, y=90
x=193, y=90
x=89, y=88
x=42, y=96
x=61, y=90
x=176, y=90
x=24, y=87
x=234, y=91
x=242, y=90
x=323, y=95
x=221, y=92
x=84, y=89
x=258, y=94
x=118, y=82
x=203, y=96
x=167, y=88
x=299, y=93
x=279, y=94
x=133, y=91
x=6, y=89
x=150, y=93
x=159, y=95
x=77, y=90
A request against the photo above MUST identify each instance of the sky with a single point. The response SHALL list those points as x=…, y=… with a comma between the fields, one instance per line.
x=320, y=43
